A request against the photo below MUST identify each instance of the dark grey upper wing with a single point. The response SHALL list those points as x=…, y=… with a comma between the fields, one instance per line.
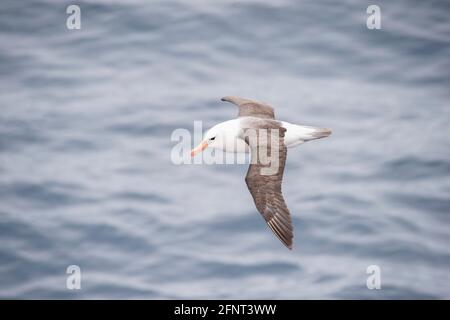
x=266, y=189
x=249, y=108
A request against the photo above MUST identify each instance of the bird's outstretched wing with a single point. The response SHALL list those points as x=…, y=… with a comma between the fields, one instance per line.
x=266, y=188
x=250, y=108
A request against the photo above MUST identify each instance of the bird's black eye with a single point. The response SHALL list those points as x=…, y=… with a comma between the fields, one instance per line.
x=212, y=138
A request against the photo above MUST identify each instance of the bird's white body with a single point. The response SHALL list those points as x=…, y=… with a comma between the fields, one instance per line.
x=228, y=135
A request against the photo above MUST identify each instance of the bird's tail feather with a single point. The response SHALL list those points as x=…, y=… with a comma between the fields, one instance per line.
x=312, y=133
x=318, y=133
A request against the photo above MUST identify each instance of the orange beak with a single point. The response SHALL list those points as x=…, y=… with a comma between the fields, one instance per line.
x=202, y=146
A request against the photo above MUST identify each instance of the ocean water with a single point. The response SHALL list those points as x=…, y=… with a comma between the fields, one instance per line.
x=86, y=177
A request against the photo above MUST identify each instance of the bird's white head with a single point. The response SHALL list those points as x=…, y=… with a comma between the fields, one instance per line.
x=221, y=136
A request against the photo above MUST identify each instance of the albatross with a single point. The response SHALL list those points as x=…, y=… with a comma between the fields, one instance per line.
x=265, y=186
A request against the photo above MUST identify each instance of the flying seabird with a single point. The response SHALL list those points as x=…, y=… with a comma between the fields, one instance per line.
x=238, y=135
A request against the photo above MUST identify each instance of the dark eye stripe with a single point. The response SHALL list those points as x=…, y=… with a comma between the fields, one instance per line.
x=213, y=138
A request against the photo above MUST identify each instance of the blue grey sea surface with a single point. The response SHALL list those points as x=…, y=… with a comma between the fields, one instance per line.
x=86, y=177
